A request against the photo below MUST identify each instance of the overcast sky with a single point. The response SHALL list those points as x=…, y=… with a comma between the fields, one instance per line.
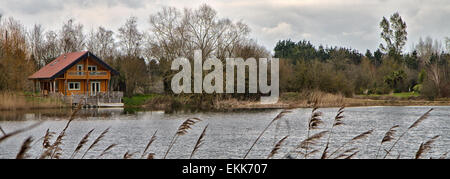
x=348, y=23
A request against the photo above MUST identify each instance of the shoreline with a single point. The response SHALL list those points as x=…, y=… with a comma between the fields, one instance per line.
x=234, y=104
x=362, y=103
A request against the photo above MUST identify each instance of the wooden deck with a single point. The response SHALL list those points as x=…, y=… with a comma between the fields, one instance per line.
x=101, y=99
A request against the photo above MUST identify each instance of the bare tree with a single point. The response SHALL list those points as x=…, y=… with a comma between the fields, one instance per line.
x=430, y=55
x=175, y=34
x=52, y=46
x=72, y=37
x=102, y=43
x=37, y=44
x=130, y=38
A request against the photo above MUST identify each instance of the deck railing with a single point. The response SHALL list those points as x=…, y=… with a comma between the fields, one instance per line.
x=100, y=97
x=91, y=73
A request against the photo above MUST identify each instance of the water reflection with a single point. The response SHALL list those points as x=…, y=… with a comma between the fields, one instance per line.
x=48, y=114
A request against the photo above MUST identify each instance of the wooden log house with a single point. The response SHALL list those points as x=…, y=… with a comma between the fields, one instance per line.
x=78, y=75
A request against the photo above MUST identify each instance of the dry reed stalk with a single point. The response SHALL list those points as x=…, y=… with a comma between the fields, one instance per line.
x=425, y=147
x=388, y=136
x=356, y=138
x=352, y=155
x=310, y=141
x=279, y=116
x=80, y=145
x=443, y=156
x=8, y=135
x=128, y=155
x=106, y=150
x=415, y=124
x=47, y=137
x=152, y=139
x=98, y=139
x=277, y=147
x=25, y=147
x=3, y=132
x=182, y=130
x=151, y=156
x=54, y=150
x=347, y=153
x=337, y=122
x=199, y=142
x=313, y=123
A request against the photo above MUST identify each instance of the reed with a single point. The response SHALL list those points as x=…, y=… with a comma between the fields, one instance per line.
x=151, y=156
x=277, y=147
x=199, y=142
x=1, y=130
x=46, y=142
x=129, y=155
x=8, y=135
x=279, y=116
x=182, y=130
x=443, y=156
x=55, y=150
x=313, y=123
x=425, y=147
x=96, y=141
x=337, y=122
x=309, y=142
x=19, y=101
x=25, y=147
x=80, y=145
x=413, y=125
x=388, y=136
x=354, y=139
x=152, y=139
x=106, y=150
x=348, y=153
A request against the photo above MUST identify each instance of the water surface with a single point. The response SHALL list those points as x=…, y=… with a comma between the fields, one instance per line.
x=230, y=134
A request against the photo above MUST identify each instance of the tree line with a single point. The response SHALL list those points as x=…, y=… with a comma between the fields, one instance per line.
x=141, y=57
x=144, y=57
x=425, y=70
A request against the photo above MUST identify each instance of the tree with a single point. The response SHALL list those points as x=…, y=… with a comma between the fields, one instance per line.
x=72, y=37
x=369, y=54
x=101, y=43
x=395, y=79
x=52, y=46
x=378, y=56
x=130, y=38
x=394, y=34
x=37, y=45
x=177, y=34
x=14, y=64
x=434, y=62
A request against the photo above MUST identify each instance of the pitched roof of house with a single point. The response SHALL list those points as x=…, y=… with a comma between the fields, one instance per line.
x=64, y=62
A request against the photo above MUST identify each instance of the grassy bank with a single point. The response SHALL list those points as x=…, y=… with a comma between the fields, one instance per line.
x=21, y=100
x=287, y=100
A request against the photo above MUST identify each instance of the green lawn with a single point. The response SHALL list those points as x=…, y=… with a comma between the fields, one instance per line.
x=400, y=95
x=138, y=100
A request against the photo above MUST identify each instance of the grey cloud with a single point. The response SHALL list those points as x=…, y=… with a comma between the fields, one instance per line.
x=351, y=23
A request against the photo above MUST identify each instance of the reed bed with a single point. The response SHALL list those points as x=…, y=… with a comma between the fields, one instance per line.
x=19, y=101
x=304, y=149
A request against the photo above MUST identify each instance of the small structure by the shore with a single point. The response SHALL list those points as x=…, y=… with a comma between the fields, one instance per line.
x=78, y=77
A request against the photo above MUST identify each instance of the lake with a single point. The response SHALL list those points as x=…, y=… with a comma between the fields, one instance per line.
x=230, y=134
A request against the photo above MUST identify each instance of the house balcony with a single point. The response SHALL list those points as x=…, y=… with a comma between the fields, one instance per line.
x=87, y=74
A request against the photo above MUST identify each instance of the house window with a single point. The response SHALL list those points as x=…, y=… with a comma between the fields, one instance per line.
x=80, y=69
x=92, y=68
x=74, y=85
